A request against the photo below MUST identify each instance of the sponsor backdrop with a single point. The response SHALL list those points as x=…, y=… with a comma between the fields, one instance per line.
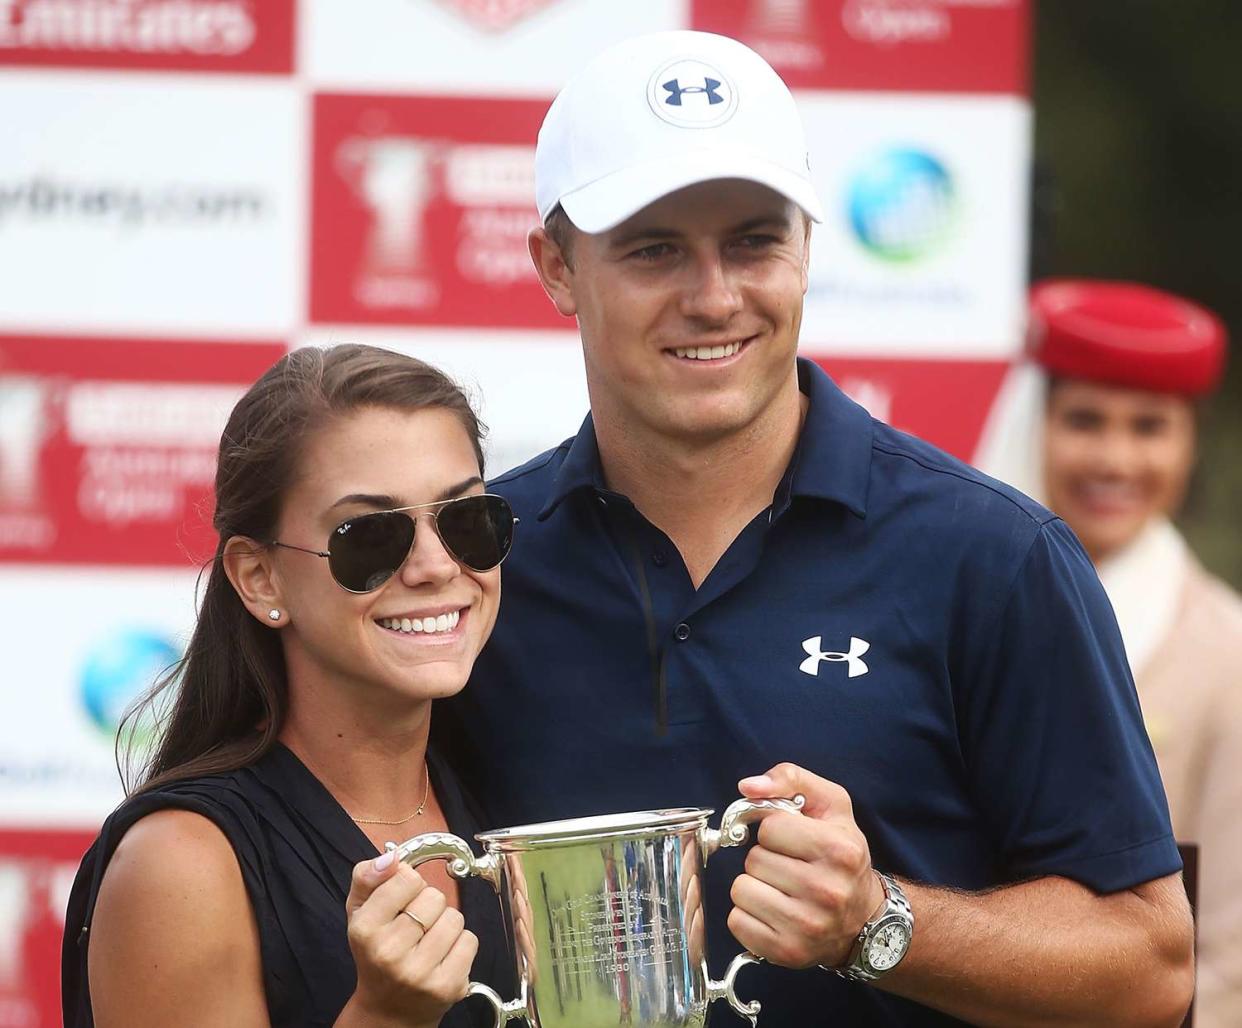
x=189, y=187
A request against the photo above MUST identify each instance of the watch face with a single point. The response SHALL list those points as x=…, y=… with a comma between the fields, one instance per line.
x=887, y=946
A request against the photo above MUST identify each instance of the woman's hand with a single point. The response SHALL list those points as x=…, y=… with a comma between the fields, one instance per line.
x=411, y=949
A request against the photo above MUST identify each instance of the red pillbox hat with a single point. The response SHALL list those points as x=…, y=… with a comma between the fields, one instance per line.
x=1126, y=334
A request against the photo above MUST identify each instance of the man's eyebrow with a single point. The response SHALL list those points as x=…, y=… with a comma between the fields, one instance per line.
x=653, y=233
x=781, y=220
x=656, y=233
x=383, y=501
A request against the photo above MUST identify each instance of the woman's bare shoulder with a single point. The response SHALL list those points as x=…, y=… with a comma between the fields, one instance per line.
x=174, y=855
x=173, y=929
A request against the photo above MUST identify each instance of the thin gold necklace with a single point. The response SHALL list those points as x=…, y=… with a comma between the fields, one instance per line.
x=417, y=813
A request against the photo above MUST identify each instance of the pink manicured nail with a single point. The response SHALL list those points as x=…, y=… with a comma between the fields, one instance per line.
x=758, y=783
x=381, y=862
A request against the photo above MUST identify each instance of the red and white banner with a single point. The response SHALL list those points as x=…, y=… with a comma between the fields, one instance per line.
x=36, y=872
x=189, y=186
x=167, y=205
x=945, y=402
x=945, y=46
x=108, y=446
x=500, y=370
x=175, y=35
x=467, y=47
x=923, y=246
x=421, y=209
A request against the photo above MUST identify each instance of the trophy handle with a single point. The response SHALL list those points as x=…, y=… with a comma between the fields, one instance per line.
x=351, y=158
x=725, y=989
x=734, y=831
x=462, y=863
x=502, y=1012
x=739, y=816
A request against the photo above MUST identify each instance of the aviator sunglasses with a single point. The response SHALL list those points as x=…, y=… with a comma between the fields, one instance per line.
x=365, y=552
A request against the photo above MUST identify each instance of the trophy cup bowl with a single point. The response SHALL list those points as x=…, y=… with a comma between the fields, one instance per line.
x=606, y=914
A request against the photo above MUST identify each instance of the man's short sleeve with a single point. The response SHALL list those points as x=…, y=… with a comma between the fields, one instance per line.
x=1052, y=735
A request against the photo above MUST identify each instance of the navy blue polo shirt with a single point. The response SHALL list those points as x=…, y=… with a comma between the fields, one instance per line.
x=933, y=641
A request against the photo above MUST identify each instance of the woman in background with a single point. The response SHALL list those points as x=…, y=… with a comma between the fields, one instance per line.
x=356, y=579
x=1126, y=366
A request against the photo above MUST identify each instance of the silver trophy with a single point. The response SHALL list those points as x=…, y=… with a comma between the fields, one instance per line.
x=606, y=914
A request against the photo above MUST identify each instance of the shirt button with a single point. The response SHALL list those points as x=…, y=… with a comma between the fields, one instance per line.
x=682, y=632
x=659, y=558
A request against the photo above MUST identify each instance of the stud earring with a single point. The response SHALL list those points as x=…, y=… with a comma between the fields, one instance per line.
x=273, y=614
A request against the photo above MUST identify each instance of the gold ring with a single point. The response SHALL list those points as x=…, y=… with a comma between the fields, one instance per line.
x=415, y=918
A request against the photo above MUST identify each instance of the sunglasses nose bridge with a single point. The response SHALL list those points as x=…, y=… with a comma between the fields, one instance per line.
x=422, y=539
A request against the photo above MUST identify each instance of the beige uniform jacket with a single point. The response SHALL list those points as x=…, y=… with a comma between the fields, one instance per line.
x=1187, y=662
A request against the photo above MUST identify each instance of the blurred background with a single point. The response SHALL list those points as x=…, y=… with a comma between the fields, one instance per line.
x=1138, y=143
x=188, y=189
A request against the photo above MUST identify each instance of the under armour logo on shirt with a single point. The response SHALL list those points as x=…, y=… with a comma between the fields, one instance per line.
x=816, y=656
x=710, y=86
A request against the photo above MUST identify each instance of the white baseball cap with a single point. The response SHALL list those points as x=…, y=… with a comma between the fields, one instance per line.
x=660, y=112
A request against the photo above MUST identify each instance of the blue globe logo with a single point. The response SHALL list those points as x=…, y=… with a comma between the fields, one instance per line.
x=902, y=204
x=119, y=670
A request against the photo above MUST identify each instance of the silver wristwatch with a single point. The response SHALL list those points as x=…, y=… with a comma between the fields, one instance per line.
x=883, y=940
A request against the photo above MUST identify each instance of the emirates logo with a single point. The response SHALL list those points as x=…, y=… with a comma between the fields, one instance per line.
x=496, y=15
x=217, y=28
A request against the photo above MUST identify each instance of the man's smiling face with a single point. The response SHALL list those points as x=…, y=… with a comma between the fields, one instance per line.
x=689, y=311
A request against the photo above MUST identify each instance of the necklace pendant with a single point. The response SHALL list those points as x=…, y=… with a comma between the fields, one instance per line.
x=408, y=817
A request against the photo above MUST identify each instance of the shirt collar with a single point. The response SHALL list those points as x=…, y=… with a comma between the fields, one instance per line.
x=581, y=469
x=832, y=460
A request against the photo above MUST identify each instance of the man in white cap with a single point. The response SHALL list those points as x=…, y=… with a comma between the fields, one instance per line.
x=733, y=572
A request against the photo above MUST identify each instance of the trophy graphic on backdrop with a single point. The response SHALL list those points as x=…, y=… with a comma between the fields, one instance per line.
x=778, y=18
x=23, y=427
x=495, y=15
x=397, y=177
x=782, y=31
x=606, y=914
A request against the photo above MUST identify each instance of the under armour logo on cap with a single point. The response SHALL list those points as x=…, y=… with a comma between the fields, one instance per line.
x=675, y=94
x=853, y=659
x=657, y=113
x=710, y=88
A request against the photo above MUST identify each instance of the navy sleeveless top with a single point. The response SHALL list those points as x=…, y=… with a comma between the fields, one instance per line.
x=296, y=848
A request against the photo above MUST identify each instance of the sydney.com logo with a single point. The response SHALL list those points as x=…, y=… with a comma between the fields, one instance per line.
x=902, y=204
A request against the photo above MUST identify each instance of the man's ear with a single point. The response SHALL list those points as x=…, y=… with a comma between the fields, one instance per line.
x=249, y=568
x=554, y=272
x=806, y=256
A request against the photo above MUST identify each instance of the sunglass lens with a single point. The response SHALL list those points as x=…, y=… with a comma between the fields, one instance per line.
x=478, y=530
x=365, y=552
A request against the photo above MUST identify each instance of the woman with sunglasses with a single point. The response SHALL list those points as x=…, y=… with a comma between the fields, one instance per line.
x=245, y=881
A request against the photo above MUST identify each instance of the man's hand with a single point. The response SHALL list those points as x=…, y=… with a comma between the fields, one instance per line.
x=1122, y=958
x=808, y=887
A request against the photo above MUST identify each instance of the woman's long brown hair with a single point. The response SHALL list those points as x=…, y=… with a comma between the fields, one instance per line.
x=225, y=701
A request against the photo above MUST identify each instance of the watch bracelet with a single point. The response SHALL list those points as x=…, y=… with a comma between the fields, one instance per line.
x=895, y=902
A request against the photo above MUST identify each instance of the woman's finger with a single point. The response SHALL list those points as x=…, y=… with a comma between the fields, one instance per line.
x=433, y=947
x=368, y=875
x=424, y=911
x=451, y=980
x=387, y=899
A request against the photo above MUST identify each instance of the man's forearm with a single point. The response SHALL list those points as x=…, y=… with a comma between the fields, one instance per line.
x=1051, y=952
